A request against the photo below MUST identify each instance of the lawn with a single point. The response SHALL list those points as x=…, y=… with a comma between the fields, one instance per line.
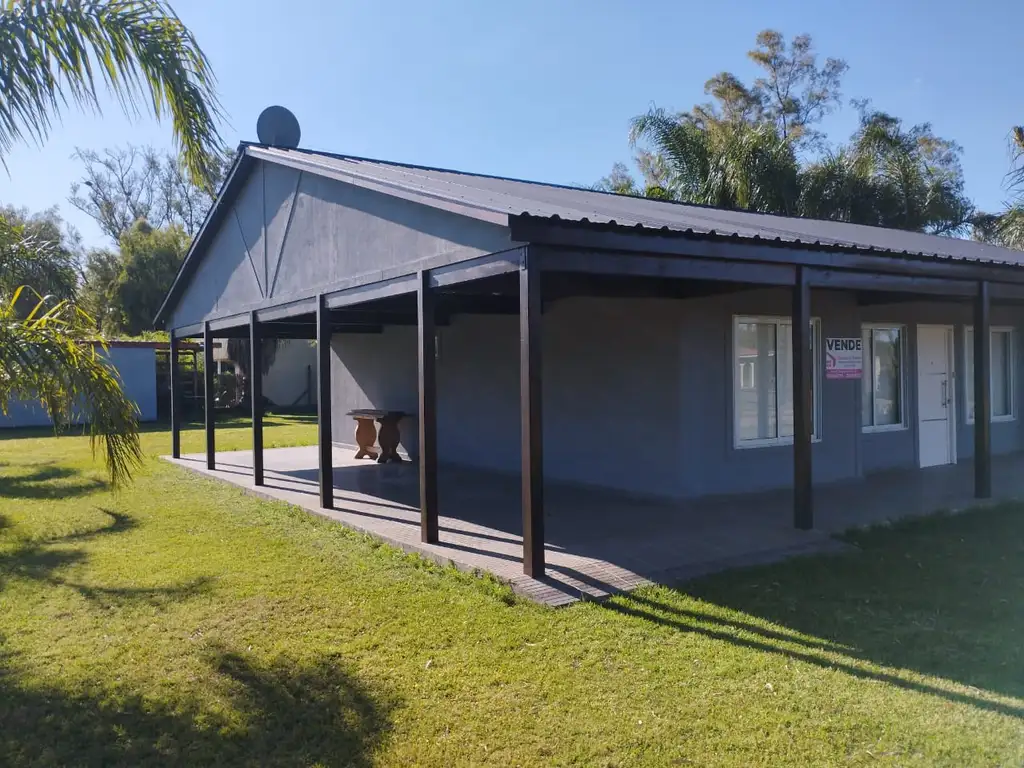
x=184, y=622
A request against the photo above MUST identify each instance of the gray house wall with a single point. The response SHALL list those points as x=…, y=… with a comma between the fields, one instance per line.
x=611, y=390
x=290, y=235
x=887, y=450
x=638, y=394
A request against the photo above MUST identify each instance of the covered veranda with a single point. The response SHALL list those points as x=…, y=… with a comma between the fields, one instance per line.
x=567, y=259
x=596, y=543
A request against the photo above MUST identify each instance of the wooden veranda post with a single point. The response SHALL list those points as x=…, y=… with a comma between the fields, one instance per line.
x=982, y=393
x=427, y=408
x=175, y=396
x=323, y=401
x=530, y=418
x=256, y=396
x=803, y=398
x=208, y=385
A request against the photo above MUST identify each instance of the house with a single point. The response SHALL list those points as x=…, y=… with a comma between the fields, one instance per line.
x=650, y=347
x=135, y=363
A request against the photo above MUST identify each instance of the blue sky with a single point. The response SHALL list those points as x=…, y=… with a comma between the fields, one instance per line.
x=544, y=89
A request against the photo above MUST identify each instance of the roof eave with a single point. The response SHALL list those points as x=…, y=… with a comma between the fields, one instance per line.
x=611, y=236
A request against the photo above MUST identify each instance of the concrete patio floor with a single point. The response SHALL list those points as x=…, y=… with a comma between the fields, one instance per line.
x=597, y=542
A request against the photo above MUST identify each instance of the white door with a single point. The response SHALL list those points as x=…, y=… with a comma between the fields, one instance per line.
x=936, y=422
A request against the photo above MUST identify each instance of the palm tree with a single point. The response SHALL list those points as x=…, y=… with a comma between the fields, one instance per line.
x=52, y=53
x=55, y=51
x=835, y=188
x=53, y=354
x=888, y=176
x=1007, y=228
x=1011, y=223
x=723, y=163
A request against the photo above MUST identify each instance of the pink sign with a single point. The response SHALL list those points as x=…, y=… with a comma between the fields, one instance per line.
x=844, y=358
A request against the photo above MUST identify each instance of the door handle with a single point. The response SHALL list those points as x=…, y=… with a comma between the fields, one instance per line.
x=945, y=394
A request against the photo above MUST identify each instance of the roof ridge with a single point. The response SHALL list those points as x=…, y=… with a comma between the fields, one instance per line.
x=603, y=192
x=416, y=180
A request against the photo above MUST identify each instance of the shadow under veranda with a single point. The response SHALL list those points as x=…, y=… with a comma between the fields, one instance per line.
x=282, y=713
x=937, y=596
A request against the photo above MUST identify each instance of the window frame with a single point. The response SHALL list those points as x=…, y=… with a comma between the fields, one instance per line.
x=868, y=369
x=778, y=321
x=1011, y=364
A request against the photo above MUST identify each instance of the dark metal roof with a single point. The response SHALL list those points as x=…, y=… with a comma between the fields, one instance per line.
x=491, y=197
x=506, y=201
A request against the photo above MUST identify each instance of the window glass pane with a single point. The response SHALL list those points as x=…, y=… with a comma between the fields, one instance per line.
x=815, y=370
x=1001, y=374
x=785, y=380
x=866, y=388
x=755, y=405
x=969, y=373
x=886, y=373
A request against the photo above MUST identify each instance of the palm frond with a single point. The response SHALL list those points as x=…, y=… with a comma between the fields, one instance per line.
x=54, y=51
x=53, y=357
x=1010, y=228
x=1016, y=175
x=722, y=163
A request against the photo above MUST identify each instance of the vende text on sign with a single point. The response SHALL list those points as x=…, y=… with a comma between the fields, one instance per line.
x=844, y=358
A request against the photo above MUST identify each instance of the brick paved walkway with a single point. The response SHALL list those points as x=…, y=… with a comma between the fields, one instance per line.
x=597, y=542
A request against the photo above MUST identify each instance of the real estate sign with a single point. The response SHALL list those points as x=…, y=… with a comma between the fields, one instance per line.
x=844, y=358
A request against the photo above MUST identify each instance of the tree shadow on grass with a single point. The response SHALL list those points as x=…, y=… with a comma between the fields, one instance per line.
x=119, y=523
x=937, y=597
x=110, y=597
x=282, y=713
x=48, y=481
x=41, y=560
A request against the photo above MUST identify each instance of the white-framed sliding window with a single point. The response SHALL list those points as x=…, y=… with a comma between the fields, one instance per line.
x=1001, y=382
x=883, y=386
x=762, y=364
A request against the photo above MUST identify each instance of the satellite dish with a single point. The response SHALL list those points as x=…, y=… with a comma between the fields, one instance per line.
x=278, y=127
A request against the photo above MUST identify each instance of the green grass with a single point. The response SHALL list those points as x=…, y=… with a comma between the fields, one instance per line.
x=183, y=622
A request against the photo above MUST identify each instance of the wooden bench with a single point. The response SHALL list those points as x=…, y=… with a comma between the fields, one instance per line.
x=388, y=436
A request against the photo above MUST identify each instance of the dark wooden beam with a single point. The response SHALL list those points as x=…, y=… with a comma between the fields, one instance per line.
x=587, y=238
x=530, y=390
x=564, y=285
x=210, y=413
x=230, y=324
x=301, y=331
x=256, y=396
x=382, y=289
x=478, y=268
x=982, y=393
x=803, y=403
x=469, y=304
x=323, y=401
x=427, y=409
x=287, y=310
x=661, y=266
x=895, y=284
x=175, y=396
x=873, y=298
